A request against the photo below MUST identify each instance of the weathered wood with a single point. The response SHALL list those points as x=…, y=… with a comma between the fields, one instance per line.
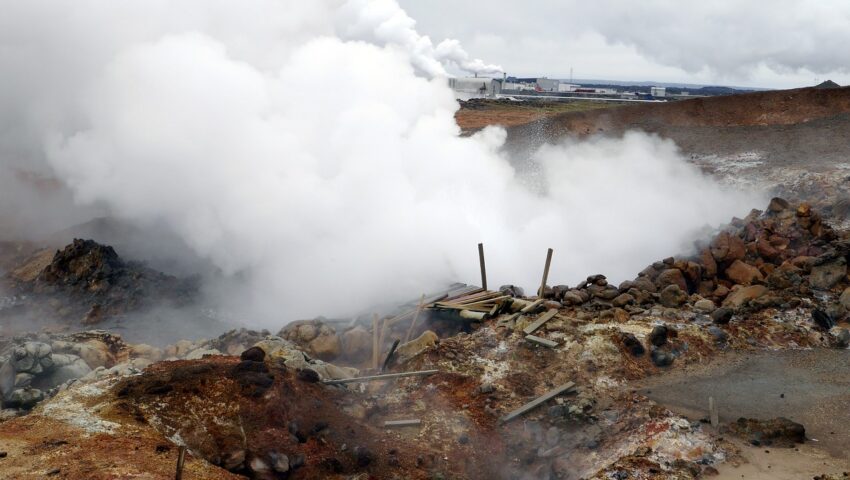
x=403, y=423
x=541, y=341
x=712, y=412
x=483, y=268
x=462, y=292
x=472, y=315
x=545, y=273
x=390, y=355
x=386, y=376
x=451, y=306
x=415, y=318
x=375, y=344
x=540, y=321
x=181, y=459
x=531, y=306
x=537, y=402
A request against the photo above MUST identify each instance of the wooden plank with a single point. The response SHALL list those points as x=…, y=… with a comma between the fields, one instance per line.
x=375, y=346
x=537, y=402
x=483, y=268
x=541, y=341
x=386, y=376
x=415, y=318
x=403, y=423
x=531, y=306
x=545, y=273
x=540, y=321
x=463, y=292
x=181, y=458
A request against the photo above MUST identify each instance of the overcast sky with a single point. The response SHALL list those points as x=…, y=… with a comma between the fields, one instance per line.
x=776, y=44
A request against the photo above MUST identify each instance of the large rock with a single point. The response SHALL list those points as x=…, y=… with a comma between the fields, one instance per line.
x=356, y=342
x=742, y=295
x=844, y=299
x=728, y=248
x=825, y=276
x=671, y=276
x=709, y=265
x=743, y=273
x=77, y=368
x=277, y=348
x=673, y=296
x=325, y=346
x=408, y=350
x=24, y=398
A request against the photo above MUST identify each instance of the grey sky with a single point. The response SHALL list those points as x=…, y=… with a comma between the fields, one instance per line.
x=778, y=44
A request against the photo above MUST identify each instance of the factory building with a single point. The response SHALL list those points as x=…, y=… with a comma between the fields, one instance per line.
x=476, y=87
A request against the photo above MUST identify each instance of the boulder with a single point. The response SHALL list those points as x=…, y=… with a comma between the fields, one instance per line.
x=58, y=376
x=722, y=315
x=728, y=247
x=671, y=276
x=704, y=305
x=658, y=335
x=572, y=297
x=743, y=273
x=632, y=344
x=408, y=350
x=325, y=346
x=844, y=299
x=672, y=296
x=622, y=300
x=199, y=353
x=779, y=432
x=777, y=205
x=662, y=358
x=356, y=342
x=277, y=348
x=709, y=265
x=644, y=284
x=825, y=276
x=24, y=398
x=742, y=295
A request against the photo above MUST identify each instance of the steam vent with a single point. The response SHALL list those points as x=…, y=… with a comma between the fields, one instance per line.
x=407, y=240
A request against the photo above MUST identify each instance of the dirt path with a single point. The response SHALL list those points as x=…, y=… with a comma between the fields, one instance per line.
x=811, y=387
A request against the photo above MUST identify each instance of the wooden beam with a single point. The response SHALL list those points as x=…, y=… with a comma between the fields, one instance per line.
x=386, y=376
x=390, y=355
x=537, y=402
x=545, y=273
x=415, y=317
x=540, y=321
x=483, y=268
x=531, y=306
x=541, y=341
x=403, y=423
x=375, y=346
x=181, y=459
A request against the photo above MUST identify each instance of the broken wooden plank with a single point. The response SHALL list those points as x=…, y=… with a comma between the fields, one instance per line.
x=472, y=315
x=403, y=423
x=386, y=376
x=537, y=402
x=390, y=355
x=541, y=341
x=375, y=344
x=483, y=268
x=545, y=273
x=181, y=459
x=540, y=321
x=531, y=306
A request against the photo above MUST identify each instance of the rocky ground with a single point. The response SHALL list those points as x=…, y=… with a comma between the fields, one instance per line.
x=82, y=401
x=255, y=404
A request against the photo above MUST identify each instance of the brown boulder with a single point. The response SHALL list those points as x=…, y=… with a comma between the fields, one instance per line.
x=326, y=346
x=826, y=276
x=727, y=247
x=673, y=296
x=709, y=265
x=743, y=273
x=356, y=342
x=742, y=295
x=671, y=276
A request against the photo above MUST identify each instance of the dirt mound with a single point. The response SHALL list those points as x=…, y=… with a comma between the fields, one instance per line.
x=781, y=107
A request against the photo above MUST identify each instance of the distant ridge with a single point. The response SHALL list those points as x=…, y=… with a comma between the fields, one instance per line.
x=828, y=84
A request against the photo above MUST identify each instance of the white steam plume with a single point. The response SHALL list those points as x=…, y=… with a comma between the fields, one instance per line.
x=325, y=170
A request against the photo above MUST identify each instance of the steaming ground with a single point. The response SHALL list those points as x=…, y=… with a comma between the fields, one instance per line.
x=314, y=157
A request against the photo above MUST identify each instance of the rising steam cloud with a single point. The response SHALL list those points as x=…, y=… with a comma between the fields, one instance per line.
x=310, y=147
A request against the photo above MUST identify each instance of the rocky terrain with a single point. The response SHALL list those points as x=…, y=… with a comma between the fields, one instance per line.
x=623, y=370
x=258, y=405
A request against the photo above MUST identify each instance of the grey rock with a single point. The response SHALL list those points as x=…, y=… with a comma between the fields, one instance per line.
x=24, y=398
x=722, y=315
x=824, y=277
x=719, y=335
x=279, y=461
x=658, y=335
x=673, y=296
x=661, y=358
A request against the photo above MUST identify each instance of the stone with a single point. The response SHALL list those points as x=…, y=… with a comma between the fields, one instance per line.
x=644, y=284
x=623, y=299
x=512, y=290
x=777, y=205
x=233, y=460
x=742, y=295
x=199, y=353
x=704, y=305
x=58, y=376
x=408, y=350
x=572, y=297
x=326, y=346
x=277, y=348
x=822, y=319
x=743, y=273
x=143, y=350
x=357, y=342
x=254, y=354
x=719, y=335
x=722, y=315
x=658, y=335
x=842, y=337
x=24, y=398
x=306, y=332
x=607, y=292
x=671, y=276
x=709, y=265
x=633, y=345
x=780, y=432
x=825, y=276
x=662, y=358
x=279, y=462
x=673, y=296
x=95, y=353
x=844, y=299
x=727, y=247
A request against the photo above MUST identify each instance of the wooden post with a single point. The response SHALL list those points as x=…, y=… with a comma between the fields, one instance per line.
x=712, y=412
x=375, y=341
x=483, y=268
x=545, y=273
x=415, y=317
x=181, y=458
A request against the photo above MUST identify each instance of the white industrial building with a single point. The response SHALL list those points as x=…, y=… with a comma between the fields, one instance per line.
x=658, y=91
x=475, y=87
